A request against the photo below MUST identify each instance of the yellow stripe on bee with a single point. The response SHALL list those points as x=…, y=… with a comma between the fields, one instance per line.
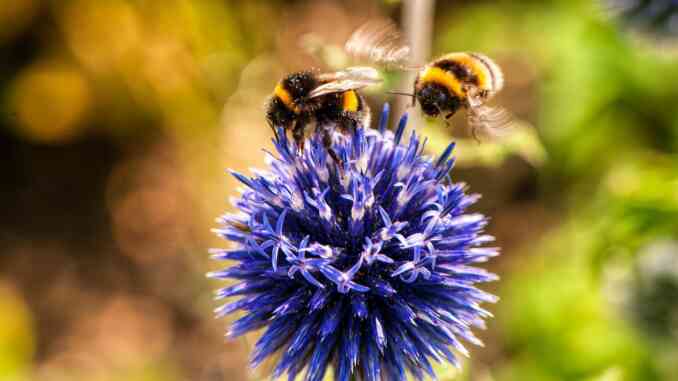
x=477, y=68
x=285, y=98
x=350, y=101
x=442, y=77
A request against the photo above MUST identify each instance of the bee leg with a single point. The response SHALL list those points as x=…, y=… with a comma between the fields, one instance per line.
x=298, y=135
x=474, y=133
x=348, y=122
x=327, y=143
x=275, y=130
x=414, y=92
x=447, y=117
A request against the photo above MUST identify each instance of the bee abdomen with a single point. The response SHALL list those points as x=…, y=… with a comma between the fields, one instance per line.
x=350, y=101
x=474, y=68
x=496, y=76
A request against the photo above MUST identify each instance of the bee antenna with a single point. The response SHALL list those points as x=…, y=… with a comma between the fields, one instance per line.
x=400, y=93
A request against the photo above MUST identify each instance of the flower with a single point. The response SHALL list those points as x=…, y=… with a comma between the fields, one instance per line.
x=367, y=268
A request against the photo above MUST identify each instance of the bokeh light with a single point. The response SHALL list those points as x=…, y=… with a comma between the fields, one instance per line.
x=51, y=103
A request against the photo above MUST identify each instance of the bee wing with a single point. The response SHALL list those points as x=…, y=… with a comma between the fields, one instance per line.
x=339, y=86
x=352, y=78
x=488, y=122
x=358, y=73
x=378, y=42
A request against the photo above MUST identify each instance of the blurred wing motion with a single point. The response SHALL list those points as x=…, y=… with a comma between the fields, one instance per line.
x=353, y=78
x=378, y=42
x=488, y=122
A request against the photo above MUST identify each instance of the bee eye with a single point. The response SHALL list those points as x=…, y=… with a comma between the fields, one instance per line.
x=440, y=97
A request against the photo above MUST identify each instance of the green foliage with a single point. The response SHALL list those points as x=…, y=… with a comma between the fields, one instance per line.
x=637, y=203
x=558, y=324
x=521, y=141
x=600, y=95
x=607, y=129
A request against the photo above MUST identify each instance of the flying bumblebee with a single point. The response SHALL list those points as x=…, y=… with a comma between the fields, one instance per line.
x=462, y=80
x=442, y=87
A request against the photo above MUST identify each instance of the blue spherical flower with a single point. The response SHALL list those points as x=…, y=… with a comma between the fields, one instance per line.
x=366, y=268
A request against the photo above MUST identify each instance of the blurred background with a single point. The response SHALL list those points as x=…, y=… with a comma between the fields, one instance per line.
x=118, y=119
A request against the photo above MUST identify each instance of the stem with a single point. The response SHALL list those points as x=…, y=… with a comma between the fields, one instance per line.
x=417, y=18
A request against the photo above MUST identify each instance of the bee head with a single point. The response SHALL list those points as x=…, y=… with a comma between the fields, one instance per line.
x=434, y=99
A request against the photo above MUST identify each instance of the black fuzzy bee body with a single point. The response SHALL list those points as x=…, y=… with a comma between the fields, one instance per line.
x=462, y=80
x=455, y=80
x=293, y=107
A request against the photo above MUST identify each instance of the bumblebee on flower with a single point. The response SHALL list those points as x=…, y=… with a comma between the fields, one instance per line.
x=367, y=269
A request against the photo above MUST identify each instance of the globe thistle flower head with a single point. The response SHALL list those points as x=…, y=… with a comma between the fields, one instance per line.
x=368, y=268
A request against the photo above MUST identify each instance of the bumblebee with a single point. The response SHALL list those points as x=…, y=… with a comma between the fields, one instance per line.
x=462, y=80
x=329, y=102
x=442, y=87
x=326, y=101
